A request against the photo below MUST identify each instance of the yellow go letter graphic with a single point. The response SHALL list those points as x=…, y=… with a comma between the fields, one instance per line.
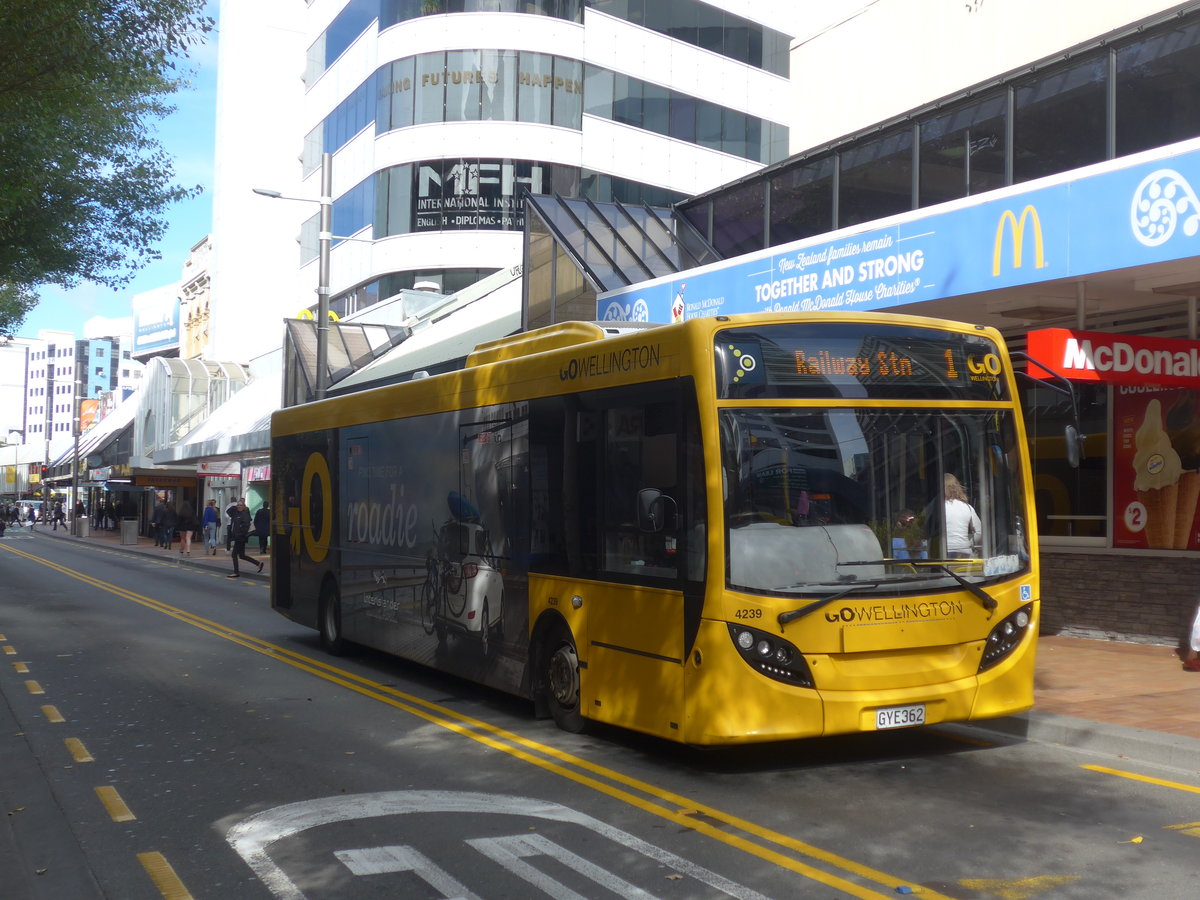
x=317, y=545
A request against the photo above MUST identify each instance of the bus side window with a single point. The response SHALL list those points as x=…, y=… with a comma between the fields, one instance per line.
x=641, y=463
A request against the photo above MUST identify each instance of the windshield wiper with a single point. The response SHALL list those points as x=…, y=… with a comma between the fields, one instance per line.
x=793, y=615
x=988, y=603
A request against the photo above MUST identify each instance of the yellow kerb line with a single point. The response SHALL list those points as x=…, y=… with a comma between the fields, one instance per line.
x=1133, y=776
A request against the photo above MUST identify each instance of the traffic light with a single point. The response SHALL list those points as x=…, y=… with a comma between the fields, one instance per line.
x=45, y=472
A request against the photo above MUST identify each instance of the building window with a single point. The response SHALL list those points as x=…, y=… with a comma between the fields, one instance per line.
x=739, y=220
x=876, y=178
x=963, y=150
x=1059, y=119
x=1158, y=89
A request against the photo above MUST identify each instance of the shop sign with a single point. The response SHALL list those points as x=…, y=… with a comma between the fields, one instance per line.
x=258, y=473
x=162, y=481
x=219, y=469
x=1115, y=358
x=1133, y=211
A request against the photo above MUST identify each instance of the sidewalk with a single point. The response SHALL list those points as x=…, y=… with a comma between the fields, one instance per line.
x=199, y=558
x=1128, y=700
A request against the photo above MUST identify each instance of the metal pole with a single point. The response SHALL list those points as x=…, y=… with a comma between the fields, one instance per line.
x=326, y=237
x=76, y=528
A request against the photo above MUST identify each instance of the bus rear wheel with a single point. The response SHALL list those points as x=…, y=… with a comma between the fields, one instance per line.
x=330, y=616
x=561, y=679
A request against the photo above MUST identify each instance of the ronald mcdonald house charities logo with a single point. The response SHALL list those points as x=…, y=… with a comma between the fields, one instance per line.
x=1016, y=226
x=1160, y=203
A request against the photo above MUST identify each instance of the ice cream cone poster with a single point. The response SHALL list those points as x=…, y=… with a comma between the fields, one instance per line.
x=1156, y=467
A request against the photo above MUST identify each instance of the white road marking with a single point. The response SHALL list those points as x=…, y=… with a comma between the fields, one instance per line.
x=510, y=852
x=382, y=860
x=252, y=837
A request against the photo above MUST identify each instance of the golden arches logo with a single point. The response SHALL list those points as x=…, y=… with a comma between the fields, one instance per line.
x=1017, y=226
x=307, y=315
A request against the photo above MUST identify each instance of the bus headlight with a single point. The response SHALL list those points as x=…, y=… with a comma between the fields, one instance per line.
x=771, y=655
x=1005, y=637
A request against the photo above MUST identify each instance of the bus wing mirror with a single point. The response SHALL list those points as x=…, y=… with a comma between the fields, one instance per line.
x=651, y=511
x=1074, y=446
x=656, y=510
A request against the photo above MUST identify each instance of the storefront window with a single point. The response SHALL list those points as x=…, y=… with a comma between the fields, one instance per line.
x=1070, y=502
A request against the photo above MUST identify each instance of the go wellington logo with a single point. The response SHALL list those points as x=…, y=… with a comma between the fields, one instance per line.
x=1016, y=227
x=1161, y=201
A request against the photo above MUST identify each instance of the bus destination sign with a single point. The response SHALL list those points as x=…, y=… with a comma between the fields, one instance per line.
x=846, y=359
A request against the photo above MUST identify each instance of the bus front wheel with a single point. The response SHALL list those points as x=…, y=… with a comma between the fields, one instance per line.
x=330, y=616
x=561, y=678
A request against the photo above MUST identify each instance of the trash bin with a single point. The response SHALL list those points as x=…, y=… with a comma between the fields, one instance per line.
x=83, y=527
x=129, y=533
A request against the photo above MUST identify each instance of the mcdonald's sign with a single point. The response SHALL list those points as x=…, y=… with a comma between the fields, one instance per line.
x=1016, y=226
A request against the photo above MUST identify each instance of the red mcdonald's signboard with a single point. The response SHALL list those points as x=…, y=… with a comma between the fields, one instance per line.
x=1115, y=358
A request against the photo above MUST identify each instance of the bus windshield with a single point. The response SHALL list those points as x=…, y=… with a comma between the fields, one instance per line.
x=876, y=500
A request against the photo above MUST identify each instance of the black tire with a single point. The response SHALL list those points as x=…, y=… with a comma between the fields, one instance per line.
x=330, y=621
x=560, y=678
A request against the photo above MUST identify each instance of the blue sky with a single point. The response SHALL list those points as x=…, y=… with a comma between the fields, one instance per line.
x=188, y=135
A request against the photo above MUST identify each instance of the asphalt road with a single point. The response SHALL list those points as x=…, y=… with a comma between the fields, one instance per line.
x=163, y=733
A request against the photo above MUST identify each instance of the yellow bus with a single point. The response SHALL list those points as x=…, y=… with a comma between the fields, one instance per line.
x=725, y=530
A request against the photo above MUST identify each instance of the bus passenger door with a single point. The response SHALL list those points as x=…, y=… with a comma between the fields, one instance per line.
x=637, y=634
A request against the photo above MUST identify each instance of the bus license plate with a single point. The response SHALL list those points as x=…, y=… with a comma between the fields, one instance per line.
x=900, y=716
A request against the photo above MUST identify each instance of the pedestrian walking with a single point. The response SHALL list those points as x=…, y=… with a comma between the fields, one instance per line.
x=170, y=522
x=229, y=510
x=187, y=527
x=240, y=524
x=212, y=525
x=156, y=523
x=262, y=527
x=60, y=517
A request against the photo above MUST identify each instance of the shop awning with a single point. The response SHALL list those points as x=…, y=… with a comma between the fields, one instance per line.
x=96, y=439
x=239, y=427
x=484, y=312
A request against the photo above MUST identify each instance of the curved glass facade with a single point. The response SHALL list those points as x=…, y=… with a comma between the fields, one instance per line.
x=690, y=21
x=708, y=28
x=477, y=86
x=464, y=195
x=358, y=15
x=521, y=86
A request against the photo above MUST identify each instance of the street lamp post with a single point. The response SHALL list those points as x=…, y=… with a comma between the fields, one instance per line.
x=325, y=239
x=76, y=527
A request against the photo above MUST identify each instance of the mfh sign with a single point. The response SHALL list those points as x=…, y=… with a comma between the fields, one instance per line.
x=1115, y=358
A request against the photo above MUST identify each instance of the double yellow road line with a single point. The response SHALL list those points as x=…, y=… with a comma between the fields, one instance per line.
x=824, y=867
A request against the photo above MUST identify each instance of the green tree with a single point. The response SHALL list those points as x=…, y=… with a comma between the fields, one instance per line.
x=84, y=183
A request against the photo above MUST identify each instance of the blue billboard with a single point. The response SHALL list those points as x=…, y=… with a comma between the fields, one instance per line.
x=1129, y=212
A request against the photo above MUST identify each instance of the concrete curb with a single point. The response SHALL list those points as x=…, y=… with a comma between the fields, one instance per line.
x=1100, y=738
x=202, y=562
